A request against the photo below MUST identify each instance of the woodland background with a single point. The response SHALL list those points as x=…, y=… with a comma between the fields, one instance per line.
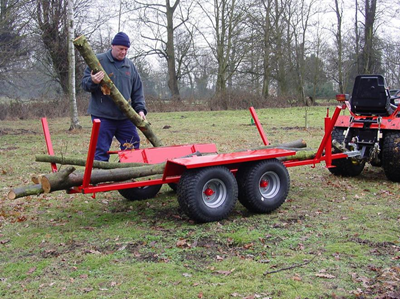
x=221, y=54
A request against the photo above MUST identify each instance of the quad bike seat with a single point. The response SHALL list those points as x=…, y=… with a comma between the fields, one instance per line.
x=370, y=96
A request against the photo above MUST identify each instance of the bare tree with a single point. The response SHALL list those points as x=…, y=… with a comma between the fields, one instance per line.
x=280, y=38
x=314, y=65
x=267, y=45
x=71, y=68
x=162, y=21
x=338, y=10
x=302, y=12
x=227, y=24
x=51, y=17
x=392, y=62
x=254, y=71
x=369, y=34
x=13, y=46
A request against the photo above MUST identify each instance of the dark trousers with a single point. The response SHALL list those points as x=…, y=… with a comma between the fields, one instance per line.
x=125, y=132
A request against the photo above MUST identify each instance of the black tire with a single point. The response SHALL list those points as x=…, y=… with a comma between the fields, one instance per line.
x=207, y=194
x=346, y=167
x=391, y=156
x=140, y=193
x=263, y=186
x=173, y=186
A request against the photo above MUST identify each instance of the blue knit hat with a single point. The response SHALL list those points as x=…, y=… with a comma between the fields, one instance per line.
x=121, y=39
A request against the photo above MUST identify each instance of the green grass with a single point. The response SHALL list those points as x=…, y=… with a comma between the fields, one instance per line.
x=333, y=238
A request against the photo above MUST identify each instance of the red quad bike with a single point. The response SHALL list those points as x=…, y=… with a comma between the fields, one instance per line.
x=372, y=129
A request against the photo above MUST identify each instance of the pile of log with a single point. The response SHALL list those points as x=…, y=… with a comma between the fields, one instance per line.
x=106, y=172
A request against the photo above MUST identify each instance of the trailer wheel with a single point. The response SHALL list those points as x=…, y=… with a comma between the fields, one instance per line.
x=391, y=156
x=173, y=186
x=263, y=186
x=345, y=167
x=140, y=193
x=208, y=194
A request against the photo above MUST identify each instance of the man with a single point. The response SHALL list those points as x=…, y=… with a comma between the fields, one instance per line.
x=124, y=75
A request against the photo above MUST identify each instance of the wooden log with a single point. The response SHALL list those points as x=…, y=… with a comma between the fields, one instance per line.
x=55, y=179
x=300, y=155
x=35, y=178
x=81, y=162
x=292, y=145
x=25, y=191
x=299, y=143
x=108, y=88
x=54, y=182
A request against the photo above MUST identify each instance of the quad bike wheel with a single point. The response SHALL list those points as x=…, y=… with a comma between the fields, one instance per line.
x=346, y=167
x=207, y=194
x=263, y=186
x=391, y=156
x=140, y=193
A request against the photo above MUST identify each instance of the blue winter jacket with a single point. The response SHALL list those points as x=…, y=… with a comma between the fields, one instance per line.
x=126, y=79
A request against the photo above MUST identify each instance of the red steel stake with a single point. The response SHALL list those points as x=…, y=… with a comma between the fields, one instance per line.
x=49, y=145
x=258, y=124
x=92, y=150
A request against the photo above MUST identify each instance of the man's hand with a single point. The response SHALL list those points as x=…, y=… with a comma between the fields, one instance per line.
x=96, y=78
x=142, y=115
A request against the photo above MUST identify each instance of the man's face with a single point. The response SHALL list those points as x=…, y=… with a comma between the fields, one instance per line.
x=119, y=52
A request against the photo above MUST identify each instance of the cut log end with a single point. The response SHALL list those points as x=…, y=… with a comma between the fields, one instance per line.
x=80, y=39
x=11, y=195
x=36, y=179
x=46, y=186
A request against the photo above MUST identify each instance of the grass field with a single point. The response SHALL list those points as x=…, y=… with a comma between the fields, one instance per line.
x=333, y=238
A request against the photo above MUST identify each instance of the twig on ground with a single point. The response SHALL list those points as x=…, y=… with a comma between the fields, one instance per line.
x=290, y=267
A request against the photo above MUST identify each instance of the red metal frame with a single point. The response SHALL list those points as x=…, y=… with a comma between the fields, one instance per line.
x=258, y=124
x=91, y=152
x=156, y=155
x=175, y=166
x=390, y=122
x=49, y=144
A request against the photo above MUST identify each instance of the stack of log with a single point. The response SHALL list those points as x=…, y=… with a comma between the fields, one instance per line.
x=67, y=177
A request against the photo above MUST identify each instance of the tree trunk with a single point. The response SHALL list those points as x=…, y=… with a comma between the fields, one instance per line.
x=368, y=55
x=25, y=191
x=170, y=49
x=56, y=181
x=82, y=162
x=299, y=156
x=109, y=88
x=71, y=69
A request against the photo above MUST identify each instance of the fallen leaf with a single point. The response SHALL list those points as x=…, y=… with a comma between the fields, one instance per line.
x=183, y=243
x=296, y=278
x=31, y=270
x=247, y=246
